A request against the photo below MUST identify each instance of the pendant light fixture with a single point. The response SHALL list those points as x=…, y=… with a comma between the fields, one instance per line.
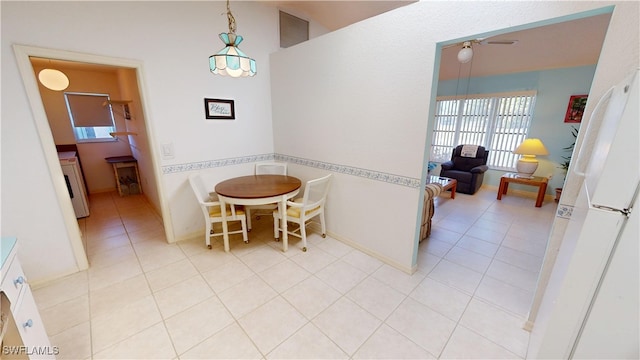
x=231, y=61
x=53, y=79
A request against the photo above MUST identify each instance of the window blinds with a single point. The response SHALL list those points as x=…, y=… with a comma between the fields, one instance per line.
x=499, y=122
x=87, y=110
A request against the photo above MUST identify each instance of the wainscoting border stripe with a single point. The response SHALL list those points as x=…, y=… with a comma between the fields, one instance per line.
x=210, y=164
x=336, y=168
x=350, y=170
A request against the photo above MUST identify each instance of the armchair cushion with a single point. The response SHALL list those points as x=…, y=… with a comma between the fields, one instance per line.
x=447, y=165
x=467, y=163
x=479, y=169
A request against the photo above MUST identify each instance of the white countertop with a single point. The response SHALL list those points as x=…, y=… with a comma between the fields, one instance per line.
x=6, y=245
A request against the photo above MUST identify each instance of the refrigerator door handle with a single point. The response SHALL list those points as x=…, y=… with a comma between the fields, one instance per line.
x=580, y=168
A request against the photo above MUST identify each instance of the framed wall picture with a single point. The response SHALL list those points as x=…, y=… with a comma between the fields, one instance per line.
x=219, y=109
x=575, y=109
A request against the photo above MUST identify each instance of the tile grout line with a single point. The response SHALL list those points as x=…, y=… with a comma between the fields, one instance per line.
x=342, y=295
x=473, y=294
x=478, y=298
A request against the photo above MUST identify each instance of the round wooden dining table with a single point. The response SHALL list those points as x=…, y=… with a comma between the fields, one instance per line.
x=258, y=190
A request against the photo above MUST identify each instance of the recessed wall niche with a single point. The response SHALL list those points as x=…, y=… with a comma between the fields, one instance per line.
x=293, y=30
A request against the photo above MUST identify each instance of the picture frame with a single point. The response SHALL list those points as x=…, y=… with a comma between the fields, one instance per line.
x=219, y=109
x=575, y=109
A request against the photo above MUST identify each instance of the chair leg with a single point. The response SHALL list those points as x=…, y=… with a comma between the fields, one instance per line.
x=244, y=230
x=207, y=234
x=324, y=228
x=248, y=213
x=303, y=234
x=276, y=229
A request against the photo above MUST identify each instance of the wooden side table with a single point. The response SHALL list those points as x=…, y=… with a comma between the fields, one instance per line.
x=447, y=184
x=540, y=182
x=125, y=169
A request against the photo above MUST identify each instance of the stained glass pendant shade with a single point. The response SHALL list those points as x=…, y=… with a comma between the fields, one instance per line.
x=231, y=61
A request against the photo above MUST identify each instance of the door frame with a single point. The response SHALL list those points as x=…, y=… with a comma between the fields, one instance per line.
x=22, y=53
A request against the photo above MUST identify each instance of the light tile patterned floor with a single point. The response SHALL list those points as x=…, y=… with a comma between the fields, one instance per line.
x=143, y=298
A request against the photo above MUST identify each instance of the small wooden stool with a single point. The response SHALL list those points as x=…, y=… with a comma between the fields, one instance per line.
x=125, y=168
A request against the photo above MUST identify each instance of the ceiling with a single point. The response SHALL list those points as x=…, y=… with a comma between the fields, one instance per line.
x=336, y=14
x=567, y=44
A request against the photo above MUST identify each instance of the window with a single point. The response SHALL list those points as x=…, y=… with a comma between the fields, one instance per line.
x=91, y=116
x=498, y=122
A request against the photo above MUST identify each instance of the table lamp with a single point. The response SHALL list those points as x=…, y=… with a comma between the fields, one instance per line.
x=528, y=163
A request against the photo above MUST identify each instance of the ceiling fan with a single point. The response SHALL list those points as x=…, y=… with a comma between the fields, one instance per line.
x=466, y=52
x=483, y=41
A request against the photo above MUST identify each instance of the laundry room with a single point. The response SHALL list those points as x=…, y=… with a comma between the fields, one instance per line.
x=98, y=128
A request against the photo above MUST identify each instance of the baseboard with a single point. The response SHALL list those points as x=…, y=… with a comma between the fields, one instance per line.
x=38, y=283
x=190, y=236
x=528, y=326
x=102, y=191
x=316, y=227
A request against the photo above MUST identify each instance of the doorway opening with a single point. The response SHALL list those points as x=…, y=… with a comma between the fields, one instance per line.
x=85, y=71
x=495, y=68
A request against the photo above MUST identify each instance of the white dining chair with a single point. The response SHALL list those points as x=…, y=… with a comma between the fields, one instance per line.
x=265, y=168
x=212, y=211
x=301, y=211
x=273, y=168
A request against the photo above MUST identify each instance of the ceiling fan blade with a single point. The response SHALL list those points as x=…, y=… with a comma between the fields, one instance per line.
x=499, y=42
x=483, y=41
x=451, y=45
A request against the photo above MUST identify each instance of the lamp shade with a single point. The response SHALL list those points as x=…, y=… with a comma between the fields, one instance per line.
x=53, y=79
x=231, y=60
x=528, y=164
x=531, y=147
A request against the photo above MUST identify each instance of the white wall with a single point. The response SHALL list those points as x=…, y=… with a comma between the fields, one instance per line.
x=139, y=144
x=369, y=103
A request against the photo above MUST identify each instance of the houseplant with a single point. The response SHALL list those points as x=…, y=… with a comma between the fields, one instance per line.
x=567, y=159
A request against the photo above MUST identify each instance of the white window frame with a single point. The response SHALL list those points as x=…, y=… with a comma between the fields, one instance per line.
x=499, y=131
x=84, y=134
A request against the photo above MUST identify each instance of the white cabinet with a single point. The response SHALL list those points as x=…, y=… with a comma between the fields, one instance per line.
x=23, y=335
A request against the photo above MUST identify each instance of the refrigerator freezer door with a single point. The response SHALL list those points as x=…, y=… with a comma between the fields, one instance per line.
x=611, y=329
x=582, y=258
x=613, y=172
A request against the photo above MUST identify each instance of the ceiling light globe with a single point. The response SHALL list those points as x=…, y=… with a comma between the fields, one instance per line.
x=465, y=54
x=53, y=79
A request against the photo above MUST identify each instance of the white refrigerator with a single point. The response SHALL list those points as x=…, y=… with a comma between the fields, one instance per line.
x=590, y=309
x=75, y=184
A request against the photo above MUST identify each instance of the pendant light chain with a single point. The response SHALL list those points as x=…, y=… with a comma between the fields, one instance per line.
x=469, y=80
x=232, y=20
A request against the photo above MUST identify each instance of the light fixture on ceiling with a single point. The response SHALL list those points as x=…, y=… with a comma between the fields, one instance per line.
x=528, y=164
x=231, y=60
x=466, y=53
x=53, y=79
